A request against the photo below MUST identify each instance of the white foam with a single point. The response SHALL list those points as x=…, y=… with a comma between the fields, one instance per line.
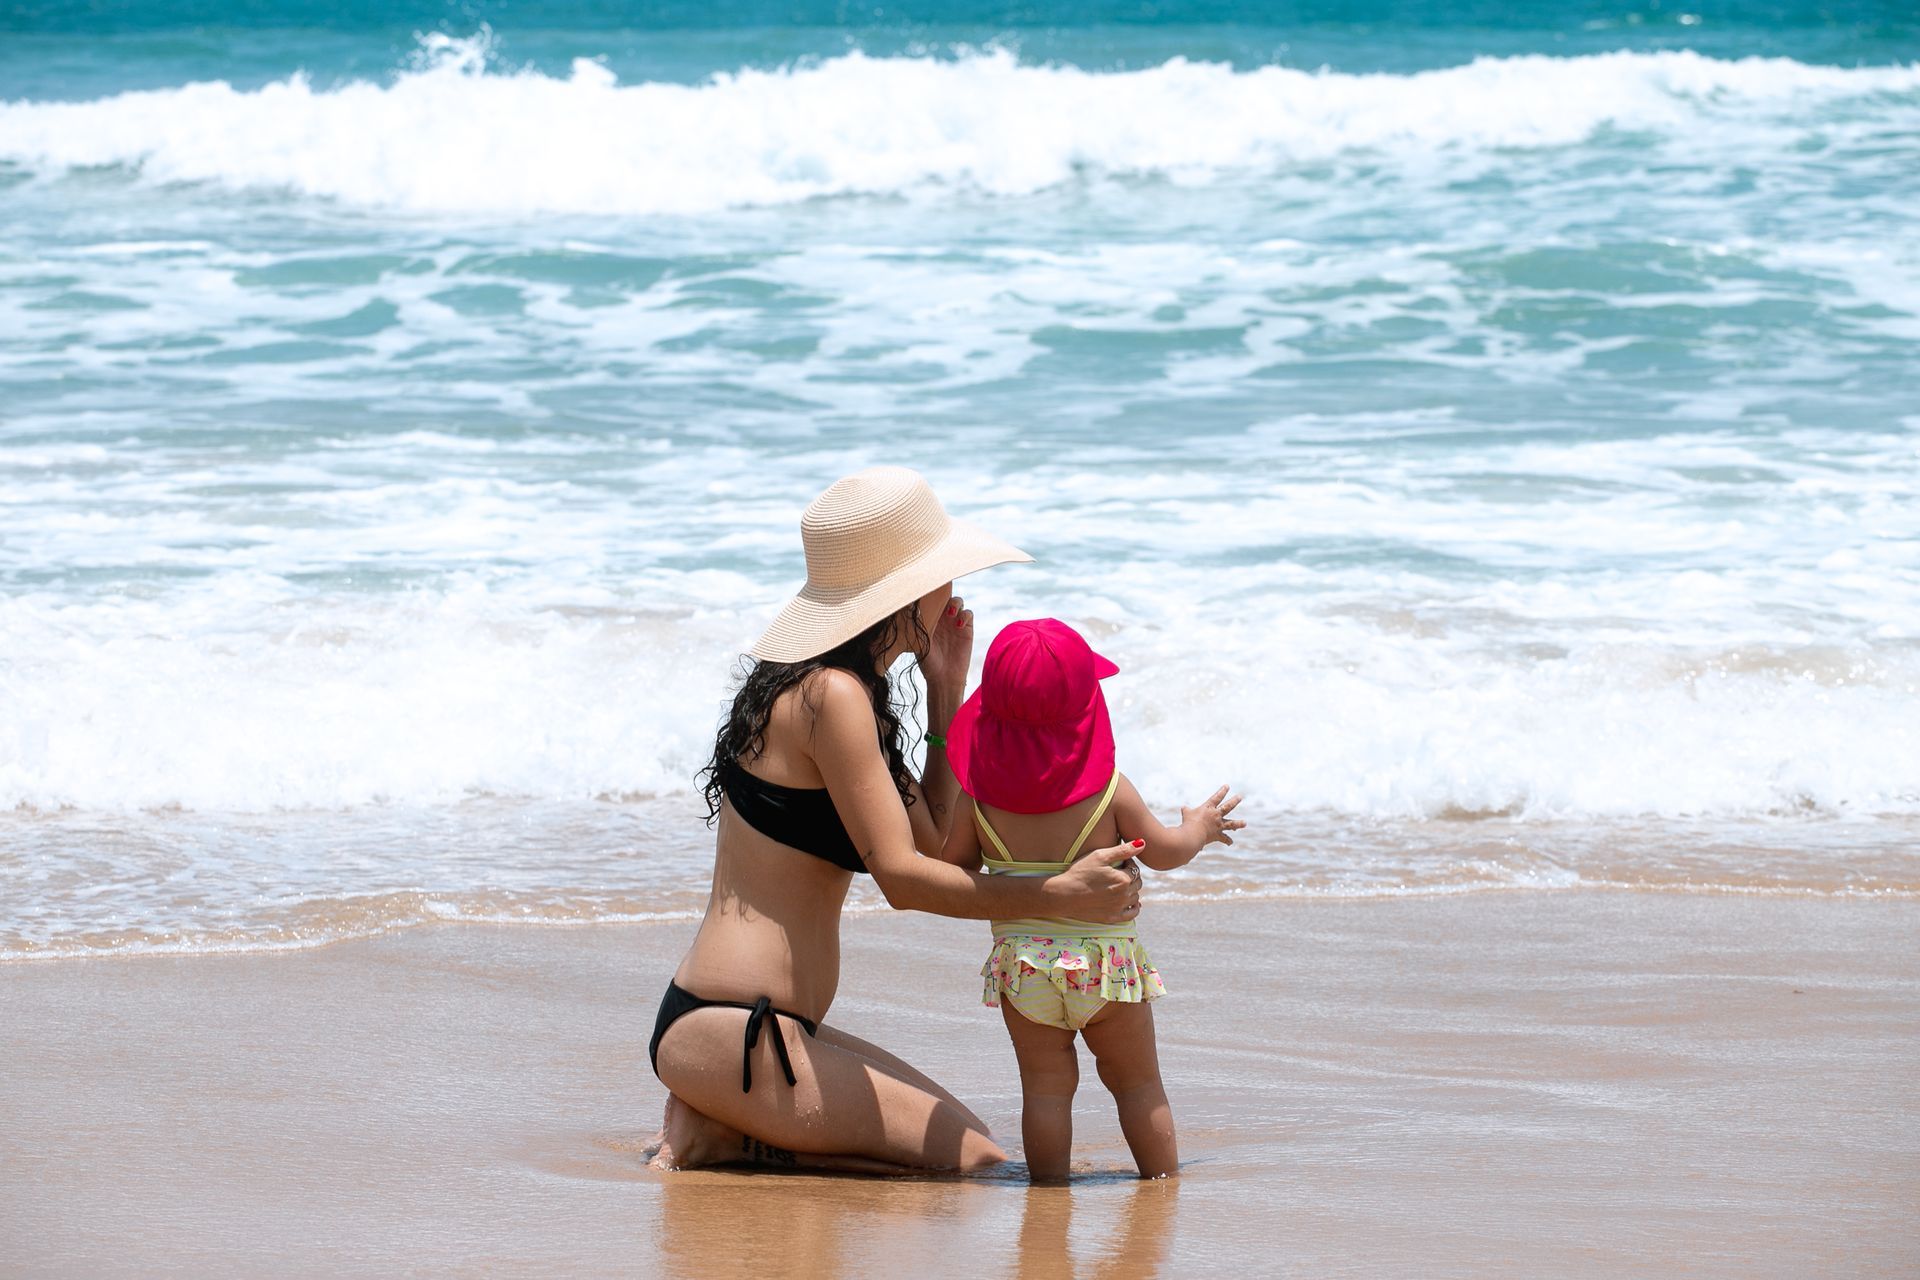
x=451, y=135
x=248, y=695
x=224, y=701
x=142, y=248
x=1331, y=716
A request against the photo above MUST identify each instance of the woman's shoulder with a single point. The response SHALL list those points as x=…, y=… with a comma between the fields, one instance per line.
x=834, y=690
x=837, y=680
x=831, y=694
x=815, y=711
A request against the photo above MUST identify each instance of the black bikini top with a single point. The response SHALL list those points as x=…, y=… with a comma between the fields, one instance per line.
x=803, y=817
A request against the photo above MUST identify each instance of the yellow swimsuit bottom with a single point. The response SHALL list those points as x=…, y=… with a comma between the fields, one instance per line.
x=1060, y=973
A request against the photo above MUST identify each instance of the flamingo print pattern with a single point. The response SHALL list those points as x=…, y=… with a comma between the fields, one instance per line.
x=1062, y=981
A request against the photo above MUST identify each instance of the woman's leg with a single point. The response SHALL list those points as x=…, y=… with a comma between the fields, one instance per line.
x=1121, y=1037
x=1049, y=1073
x=689, y=1140
x=845, y=1104
x=895, y=1066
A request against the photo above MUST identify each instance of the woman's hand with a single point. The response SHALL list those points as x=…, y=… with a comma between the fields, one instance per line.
x=1102, y=886
x=1210, y=818
x=949, y=648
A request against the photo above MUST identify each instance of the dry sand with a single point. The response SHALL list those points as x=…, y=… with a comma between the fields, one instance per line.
x=1493, y=1084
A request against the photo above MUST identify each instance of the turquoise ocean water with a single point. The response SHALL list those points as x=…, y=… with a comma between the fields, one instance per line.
x=1487, y=434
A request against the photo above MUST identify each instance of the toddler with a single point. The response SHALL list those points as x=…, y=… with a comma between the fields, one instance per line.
x=1033, y=750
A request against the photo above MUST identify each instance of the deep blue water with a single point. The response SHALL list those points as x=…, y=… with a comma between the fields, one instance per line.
x=57, y=51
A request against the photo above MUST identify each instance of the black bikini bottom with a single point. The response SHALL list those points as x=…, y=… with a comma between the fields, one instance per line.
x=679, y=1002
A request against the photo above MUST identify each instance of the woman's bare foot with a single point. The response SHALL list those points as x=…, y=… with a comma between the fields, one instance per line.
x=688, y=1140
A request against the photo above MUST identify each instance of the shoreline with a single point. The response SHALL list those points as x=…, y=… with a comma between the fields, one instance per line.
x=190, y=949
x=1460, y=1084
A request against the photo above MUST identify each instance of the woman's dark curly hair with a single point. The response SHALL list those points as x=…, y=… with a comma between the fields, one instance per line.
x=743, y=733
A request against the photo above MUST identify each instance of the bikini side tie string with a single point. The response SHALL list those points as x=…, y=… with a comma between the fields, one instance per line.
x=763, y=1010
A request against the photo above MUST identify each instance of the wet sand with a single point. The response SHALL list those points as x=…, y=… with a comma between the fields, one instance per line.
x=1585, y=1083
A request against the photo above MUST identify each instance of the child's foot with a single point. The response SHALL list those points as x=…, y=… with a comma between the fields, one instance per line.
x=689, y=1140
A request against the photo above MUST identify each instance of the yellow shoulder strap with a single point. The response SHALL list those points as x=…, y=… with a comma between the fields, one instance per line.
x=1099, y=811
x=993, y=837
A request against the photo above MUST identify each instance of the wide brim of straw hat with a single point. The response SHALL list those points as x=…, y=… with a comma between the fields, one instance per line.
x=819, y=617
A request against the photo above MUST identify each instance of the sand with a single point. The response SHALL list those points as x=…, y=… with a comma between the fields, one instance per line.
x=1521, y=1083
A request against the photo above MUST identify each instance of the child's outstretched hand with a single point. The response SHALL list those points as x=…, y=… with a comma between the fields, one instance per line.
x=1211, y=820
x=1164, y=848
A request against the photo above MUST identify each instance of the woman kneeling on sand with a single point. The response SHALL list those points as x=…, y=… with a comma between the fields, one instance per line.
x=810, y=784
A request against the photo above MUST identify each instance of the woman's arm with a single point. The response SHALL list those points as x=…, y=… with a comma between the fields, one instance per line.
x=846, y=750
x=1170, y=847
x=962, y=848
x=944, y=666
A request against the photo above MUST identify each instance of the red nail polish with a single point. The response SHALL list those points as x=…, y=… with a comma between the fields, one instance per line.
x=1139, y=844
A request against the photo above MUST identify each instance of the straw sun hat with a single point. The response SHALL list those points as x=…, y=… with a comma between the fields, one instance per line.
x=876, y=541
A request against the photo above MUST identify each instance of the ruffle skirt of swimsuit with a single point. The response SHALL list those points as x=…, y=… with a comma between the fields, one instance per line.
x=1109, y=968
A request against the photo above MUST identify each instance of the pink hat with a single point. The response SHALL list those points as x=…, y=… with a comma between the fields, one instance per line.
x=1035, y=736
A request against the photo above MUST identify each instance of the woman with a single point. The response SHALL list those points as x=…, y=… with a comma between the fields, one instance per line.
x=810, y=785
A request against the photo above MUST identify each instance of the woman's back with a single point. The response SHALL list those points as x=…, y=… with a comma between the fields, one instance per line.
x=773, y=915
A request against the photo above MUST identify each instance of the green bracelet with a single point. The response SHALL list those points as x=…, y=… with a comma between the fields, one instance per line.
x=937, y=740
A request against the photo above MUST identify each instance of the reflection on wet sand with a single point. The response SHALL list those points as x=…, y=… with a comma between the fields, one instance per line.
x=742, y=1223
x=1123, y=1235
x=758, y=1223
x=794, y=1226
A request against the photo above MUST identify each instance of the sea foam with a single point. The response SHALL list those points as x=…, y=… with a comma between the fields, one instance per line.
x=456, y=134
x=300, y=703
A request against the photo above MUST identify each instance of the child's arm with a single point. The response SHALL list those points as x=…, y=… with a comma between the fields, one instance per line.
x=962, y=847
x=1169, y=847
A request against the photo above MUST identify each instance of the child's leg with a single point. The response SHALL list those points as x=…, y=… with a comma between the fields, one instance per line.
x=1049, y=1073
x=1121, y=1037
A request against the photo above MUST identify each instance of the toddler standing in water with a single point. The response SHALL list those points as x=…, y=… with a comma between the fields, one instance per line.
x=1033, y=750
